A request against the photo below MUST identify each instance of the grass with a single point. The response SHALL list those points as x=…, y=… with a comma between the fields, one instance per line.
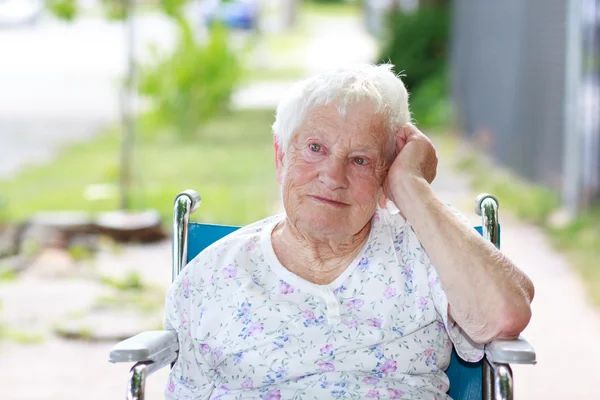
x=9, y=334
x=315, y=9
x=580, y=240
x=230, y=165
x=529, y=202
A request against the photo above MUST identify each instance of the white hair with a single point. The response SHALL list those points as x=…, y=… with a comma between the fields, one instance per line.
x=376, y=84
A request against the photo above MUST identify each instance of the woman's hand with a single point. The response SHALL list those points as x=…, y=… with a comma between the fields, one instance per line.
x=415, y=159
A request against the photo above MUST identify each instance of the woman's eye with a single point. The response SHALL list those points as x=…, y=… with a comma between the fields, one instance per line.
x=315, y=147
x=360, y=160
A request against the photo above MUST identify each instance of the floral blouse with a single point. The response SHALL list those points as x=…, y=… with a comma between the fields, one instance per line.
x=250, y=329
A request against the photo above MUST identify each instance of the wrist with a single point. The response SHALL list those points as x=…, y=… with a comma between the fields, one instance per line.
x=410, y=191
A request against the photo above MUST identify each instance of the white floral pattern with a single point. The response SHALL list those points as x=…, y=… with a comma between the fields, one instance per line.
x=248, y=328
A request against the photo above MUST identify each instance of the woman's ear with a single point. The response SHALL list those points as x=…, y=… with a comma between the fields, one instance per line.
x=279, y=159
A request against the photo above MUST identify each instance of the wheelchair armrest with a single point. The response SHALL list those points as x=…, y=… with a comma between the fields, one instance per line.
x=156, y=346
x=510, y=351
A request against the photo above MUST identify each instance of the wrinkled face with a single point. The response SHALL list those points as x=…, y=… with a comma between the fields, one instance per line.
x=333, y=170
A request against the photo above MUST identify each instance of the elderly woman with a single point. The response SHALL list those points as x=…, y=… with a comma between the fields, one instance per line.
x=343, y=295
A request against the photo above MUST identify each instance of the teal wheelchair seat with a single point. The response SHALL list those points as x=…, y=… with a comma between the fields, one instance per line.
x=490, y=378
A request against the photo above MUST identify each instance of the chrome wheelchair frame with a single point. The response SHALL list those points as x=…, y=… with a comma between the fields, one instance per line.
x=154, y=350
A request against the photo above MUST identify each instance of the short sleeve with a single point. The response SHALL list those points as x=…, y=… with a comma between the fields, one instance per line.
x=191, y=376
x=466, y=348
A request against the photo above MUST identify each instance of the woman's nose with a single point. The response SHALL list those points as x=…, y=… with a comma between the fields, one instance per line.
x=333, y=174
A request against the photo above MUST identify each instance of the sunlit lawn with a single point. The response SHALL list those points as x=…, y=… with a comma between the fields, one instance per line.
x=230, y=165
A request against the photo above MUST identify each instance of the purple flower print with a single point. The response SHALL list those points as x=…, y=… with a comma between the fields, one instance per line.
x=378, y=351
x=389, y=292
x=186, y=287
x=248, y=384
x=326, y=349
x=326, y=367
x=363, y=264
x=310, y=319
x=171, y=387
x=352, y=324
x=308, y=315
x=273, y=395
x=340, y=289
x=374, y=322
x=204, y=349
x=433, y=282
x=281, y=373
x=408, y=271
x=371, y=380
x=218, y=353
x=251, y=330
x=285, y=287
x=395, y=393
x=250, y=246
x=421, y=302
x=238, y=357
x=256, y=327
x=388, y=366
x=229, y=272
x=373, y=394
x=355, y=304
x=429, y=356
x=244, y=312
x=183, y=319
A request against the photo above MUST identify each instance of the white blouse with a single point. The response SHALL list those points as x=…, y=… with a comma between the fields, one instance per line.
x=249, y=328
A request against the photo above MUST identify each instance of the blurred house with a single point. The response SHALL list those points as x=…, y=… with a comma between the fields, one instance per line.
x=526, y=83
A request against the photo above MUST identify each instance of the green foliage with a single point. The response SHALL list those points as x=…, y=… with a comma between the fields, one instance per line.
x=132, y=281
x=417, y=44
x=529, y=202
x=430, y=103
x=80, y=253
x=63, y=9
x=172, y=7
x=115, y=10
x=194, y=83
x=329, y=1
x=3, y=210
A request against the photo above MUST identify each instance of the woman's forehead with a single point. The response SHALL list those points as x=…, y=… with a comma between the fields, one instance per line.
x=360, y=126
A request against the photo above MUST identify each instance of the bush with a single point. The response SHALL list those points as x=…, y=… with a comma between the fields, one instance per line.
x=430, y=103
x=417, y=43
x=194, y=83
x=63, y=9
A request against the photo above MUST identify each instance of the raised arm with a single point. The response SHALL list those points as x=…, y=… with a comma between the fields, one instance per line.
x=488, y=296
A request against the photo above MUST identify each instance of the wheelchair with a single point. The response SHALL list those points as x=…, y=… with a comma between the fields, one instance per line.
x=490, y=378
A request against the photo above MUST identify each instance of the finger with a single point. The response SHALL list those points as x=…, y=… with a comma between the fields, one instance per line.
x=401, y=139
x=411, y=132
